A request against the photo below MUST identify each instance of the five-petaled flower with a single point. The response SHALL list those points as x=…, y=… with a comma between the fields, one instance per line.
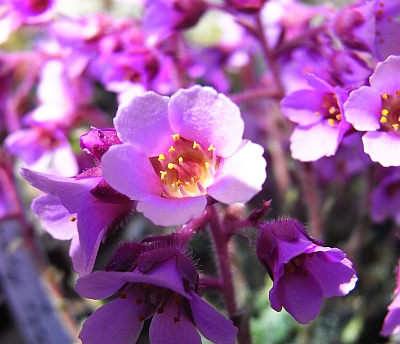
x=303, y=272
x=151, y=281
x=177, y=151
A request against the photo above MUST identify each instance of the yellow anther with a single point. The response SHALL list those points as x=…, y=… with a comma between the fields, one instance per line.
x=178, y=183
x=331, y=122
x=207, y=164
x=332, y=110
x=180, y=159
x=338, y=117
x=170, y=166
x=317, y=113
x=195, y=145
x=171, y=149
x=383, y=119
x=163, y=174
x=72, y=218
x=385, y=112
x=161, y=157
x=211, y=148
x=175, y=137
x=395, y=126
x=384, y=96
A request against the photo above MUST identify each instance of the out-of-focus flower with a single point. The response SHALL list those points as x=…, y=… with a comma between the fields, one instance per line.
x=302, y=270
x=162, y=18
x=385, y=200
x=15, y=13
x=319, y=115
x=152, y=280
x=83, y=208
x=374, y=109
x=177, y=151
x=391, y=324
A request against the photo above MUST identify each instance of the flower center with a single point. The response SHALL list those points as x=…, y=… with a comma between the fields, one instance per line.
x=390, y=114
x=331, y=110
x=186, y=169
x=296, y=263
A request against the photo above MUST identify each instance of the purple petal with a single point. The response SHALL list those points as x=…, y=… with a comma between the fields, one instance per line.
x=144, y=122
x=116, y=322
x=129, y=171
x=382, y=147
x=201, y=114
x=164, y=330
x=392, y=319
x=240, y=176
x=211, y=323
x=303, y=106
x=385, y=78
x=363, y=109
x=79, y=263
x=300, y=295
x=55, y=218
x=171, y=211
x=314, y=142
x=72, y=192
x=102, y=284
x=333, y=271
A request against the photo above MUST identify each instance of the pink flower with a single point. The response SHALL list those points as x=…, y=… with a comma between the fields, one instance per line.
x=391, y=323
x=177, y=151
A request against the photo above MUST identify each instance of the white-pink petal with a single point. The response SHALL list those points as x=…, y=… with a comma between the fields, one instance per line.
x=382, y=147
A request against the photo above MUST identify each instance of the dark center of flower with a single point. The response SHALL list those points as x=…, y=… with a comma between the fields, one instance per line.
x=296, y=263
x=390, y=114
x=330, y=109
x=186, y=169
x=38, y=6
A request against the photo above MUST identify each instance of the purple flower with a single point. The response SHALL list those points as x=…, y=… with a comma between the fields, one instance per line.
x=391, y=324
x=151, y=281
x=374, y=109
x=162, y=18
x=385, y=200
x=319, y=115
x=303, y=272
x=178, y=150
x=83, y=208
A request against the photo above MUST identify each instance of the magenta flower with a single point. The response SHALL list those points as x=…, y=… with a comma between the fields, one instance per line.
x=391, y=324
x=177, y=151
x=374, y=109
x=160, y=283
x=303, y=272
x=319, y=115
x=83, y=208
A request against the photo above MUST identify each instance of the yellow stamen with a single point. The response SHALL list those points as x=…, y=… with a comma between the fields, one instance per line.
x=175, y=137
x=395, y=126
x=332, y=110
x=211, y=148
x=207, y=164
x=384, y=96
x=317, y=113
x=385, y=112
x=171, y=149
x=161, y=157
x=383, y=120
x=331, y=122
x=338, y=117
x=163, y=174
x=170, y=166
x=180, y=159
x=72, y=218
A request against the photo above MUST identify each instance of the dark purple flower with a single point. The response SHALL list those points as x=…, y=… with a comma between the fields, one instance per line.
x=391, y=324
x=302, y=270
x=375, y=109
x=319, y=115
x=83, y=208
x=178, y=150
x=385, y=199
x=152, y=280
